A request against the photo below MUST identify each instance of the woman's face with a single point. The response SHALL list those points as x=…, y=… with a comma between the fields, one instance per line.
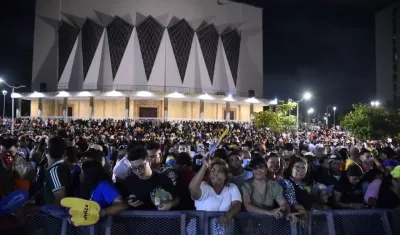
x=354, y=180
x=299, y=170
x=259, y=172
x=273, y=164
x=217, y=175
x=323, y=196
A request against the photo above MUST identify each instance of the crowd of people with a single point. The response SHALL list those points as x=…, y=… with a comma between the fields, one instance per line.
x=159, y=165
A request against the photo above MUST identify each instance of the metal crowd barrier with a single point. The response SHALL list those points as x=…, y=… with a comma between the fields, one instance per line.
x=340, y=222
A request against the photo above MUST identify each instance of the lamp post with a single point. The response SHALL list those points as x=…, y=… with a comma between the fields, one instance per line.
x=306, y=96
x=4, y=102
x=309, y=111
x=326, y=120
x=12, y=101
x=334, y=116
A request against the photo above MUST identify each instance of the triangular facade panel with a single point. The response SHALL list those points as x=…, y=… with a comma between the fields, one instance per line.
x=91, y=35
x=67, y=39
x=118, y=32
x=139, y=73
x=220, y=83
x=123, y=79
x=181, y=36
x=201, y=69
x=231, y=41
x=105, y=75
x=208, y=39
x=172, y=76
x=150, y=34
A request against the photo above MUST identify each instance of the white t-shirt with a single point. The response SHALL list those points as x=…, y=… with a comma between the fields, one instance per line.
x=121, y=169
x=211, y=201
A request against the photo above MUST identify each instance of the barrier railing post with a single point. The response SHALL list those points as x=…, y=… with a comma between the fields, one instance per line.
x=108, y=225
x=64, y=227
x=183, y=223
x=331, y=224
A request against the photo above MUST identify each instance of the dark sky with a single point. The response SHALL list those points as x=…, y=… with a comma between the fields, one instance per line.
x=326, y=48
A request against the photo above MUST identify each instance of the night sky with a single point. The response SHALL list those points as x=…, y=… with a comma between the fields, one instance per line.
x=325, y=47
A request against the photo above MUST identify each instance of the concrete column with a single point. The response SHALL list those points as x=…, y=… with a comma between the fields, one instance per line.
x=19, y=108
x=201, y=110
x=251, y=111
x=40, y=107
x=91, y=107
x=228, y=111
x=165, y=108
x=65, y=109
x=127, y=107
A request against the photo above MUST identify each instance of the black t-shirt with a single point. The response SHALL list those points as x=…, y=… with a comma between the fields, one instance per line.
x=387, y=199
x=158, y=185
x=350, y=193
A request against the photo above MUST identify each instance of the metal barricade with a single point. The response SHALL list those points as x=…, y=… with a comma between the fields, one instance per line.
x=332, y=222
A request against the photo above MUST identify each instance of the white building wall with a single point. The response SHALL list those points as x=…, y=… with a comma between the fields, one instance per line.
x=247, y=19
x=93, y=76
x=173, y=79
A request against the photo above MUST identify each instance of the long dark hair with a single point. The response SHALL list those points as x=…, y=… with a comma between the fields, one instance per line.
x=93, y=174
x=288, y=172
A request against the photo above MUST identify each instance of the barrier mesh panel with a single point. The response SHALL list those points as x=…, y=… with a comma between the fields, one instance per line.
x=38, y=225
x=257, y=225
x=319, y=224
x=191, y=225
x=146, y=225
x=358, y=224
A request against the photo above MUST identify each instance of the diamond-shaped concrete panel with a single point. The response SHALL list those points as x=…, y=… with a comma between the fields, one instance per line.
x=231, y=41
x=66, y=41
x=150, y=34
x=118, y=32
x=181, y=36
x=91, y=35
x=208, y=39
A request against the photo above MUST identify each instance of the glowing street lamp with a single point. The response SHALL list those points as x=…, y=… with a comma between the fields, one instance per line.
x=334, y=116
x=12, y=101
x=4, y=102
x=375, y=103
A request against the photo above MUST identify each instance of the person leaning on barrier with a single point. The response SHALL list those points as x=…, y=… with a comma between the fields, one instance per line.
x=260, y=193
x=146, y=189
x=295, y=189
x=347, y=192
x=217, y=194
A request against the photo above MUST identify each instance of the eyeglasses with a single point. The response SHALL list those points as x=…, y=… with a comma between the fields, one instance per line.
x=138, y=168
x=300, y=168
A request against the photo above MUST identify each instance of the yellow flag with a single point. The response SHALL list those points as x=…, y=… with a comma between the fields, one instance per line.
x=83, y=212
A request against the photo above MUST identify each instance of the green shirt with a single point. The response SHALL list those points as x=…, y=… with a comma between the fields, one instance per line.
x=57, y=177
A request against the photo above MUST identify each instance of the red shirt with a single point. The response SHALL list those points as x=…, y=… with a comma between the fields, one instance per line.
x=8, y=160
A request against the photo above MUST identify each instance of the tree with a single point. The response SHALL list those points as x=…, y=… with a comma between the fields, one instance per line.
x=278, y=121
x=367, y=122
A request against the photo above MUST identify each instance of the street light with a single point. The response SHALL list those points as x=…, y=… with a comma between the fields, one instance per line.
x=326, y=120
x=12, y=101
x=4, y=102
x=334, y=116
x=306, y=96
x=375, y=103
